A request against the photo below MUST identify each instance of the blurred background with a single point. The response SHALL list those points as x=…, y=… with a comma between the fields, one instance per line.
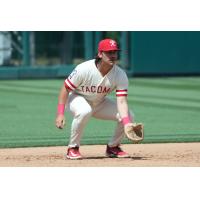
x=29, y=54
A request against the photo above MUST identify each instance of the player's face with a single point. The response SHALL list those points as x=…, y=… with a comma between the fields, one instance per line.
x=109, y=57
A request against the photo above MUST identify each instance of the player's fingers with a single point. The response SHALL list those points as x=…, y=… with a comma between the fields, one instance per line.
x=59, y=124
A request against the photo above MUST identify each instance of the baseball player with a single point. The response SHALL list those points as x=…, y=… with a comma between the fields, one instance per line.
x=84, y=95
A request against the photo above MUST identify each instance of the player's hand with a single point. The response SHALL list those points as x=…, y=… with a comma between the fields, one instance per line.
x=60, y=121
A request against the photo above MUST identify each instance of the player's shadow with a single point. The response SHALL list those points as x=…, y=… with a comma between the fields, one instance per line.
x=95, y=157
x=139, y=158
x=105, y=157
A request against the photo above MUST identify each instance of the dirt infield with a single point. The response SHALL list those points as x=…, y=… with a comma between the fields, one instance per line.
x=141, y=155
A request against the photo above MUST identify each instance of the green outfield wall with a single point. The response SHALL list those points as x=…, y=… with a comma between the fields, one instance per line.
x=143, y=53
x=167, y=52
x=56, y=71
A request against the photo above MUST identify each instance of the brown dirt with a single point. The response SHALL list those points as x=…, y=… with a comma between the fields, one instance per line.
x=142, y=155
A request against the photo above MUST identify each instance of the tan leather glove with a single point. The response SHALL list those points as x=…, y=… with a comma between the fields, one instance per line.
x=134, y=132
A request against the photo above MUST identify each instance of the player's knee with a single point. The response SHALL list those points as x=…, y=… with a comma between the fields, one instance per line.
x=87, y=112
x=84, y=113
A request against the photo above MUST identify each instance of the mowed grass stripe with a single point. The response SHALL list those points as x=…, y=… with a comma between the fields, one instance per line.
x=165, y=83
x=102, y=140
x=169, y=104
x=26, y=90
x=188, y=80
x=153, y=95
x=13, y=138
x=34, y=84
x=166, y=97
x=168, y=80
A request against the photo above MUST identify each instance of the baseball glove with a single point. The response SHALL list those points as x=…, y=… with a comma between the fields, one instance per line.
x=134, y=132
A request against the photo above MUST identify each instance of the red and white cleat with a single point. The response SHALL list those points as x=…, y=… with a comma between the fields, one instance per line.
x=73, y=153
x=116, y=152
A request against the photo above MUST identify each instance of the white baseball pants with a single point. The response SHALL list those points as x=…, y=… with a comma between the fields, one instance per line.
x=82, y=110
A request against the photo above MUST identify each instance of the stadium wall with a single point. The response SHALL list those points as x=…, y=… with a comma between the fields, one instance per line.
x=166, y=52
x=147, y=53
x=35, y=72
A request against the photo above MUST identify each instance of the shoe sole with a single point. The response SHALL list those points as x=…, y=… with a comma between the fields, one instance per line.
x=74, y=158
x=114, y=156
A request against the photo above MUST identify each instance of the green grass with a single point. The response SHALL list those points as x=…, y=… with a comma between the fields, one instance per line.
x=168, y=107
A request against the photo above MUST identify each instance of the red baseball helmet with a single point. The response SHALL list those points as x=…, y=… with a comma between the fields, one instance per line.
x=108, y=45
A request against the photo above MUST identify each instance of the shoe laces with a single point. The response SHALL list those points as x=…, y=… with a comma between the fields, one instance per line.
x=74, y=149
x=117, y=149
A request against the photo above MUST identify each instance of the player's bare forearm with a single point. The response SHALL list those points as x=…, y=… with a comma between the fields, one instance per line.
x=122, y=106
x=62, y=100
x=63, y=95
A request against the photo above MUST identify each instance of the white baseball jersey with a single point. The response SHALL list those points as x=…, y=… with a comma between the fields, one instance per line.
x=87, y=81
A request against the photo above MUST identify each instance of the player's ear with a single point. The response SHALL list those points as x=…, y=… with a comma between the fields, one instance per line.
x=100, y=54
